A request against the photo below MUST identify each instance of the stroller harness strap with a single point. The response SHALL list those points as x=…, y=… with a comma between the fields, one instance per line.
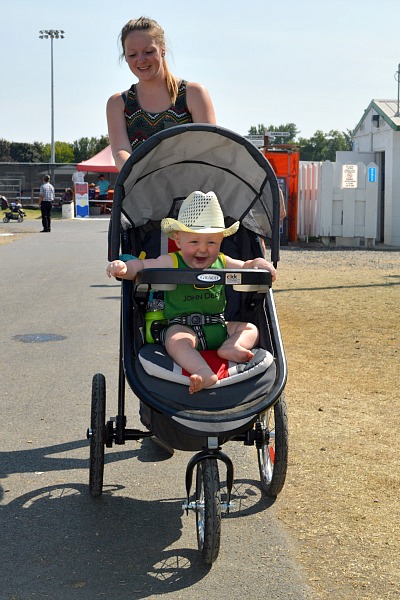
x=196, y=322
x=196, y=319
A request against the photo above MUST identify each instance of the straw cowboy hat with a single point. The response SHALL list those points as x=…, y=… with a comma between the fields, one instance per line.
x=199, y=213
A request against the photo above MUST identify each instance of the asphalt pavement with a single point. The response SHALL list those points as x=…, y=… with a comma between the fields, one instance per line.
x=60, y=326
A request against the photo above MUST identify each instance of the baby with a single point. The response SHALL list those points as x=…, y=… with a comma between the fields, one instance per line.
x=198, y=233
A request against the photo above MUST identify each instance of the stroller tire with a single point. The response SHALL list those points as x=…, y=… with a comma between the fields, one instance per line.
x=273, y=454
x=6, y=220
x=208, y=512
x=97, y=434
x=20, y=219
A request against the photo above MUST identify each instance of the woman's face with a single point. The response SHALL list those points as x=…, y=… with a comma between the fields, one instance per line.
x=143, y=56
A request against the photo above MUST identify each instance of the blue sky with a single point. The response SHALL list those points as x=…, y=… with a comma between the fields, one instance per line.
x=315, y=63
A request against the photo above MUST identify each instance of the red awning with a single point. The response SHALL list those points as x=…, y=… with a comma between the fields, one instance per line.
x=101, y=162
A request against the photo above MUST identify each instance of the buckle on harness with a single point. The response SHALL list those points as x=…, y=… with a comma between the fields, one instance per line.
x=196, y=319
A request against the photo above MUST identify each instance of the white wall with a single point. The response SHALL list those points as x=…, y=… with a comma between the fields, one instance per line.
x=370, y=139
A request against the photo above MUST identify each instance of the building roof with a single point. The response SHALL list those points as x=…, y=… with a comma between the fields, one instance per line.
x=387, y=109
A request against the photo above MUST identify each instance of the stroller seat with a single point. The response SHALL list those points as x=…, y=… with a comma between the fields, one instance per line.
x=237, y=384
x=156, y=362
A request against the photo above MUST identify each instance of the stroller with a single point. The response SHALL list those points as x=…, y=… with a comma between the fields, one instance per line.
x=247, y=404
x=15, y=212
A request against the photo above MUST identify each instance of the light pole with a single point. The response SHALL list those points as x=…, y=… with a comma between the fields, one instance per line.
x=52, y=34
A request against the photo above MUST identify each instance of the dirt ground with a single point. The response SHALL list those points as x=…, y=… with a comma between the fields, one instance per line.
x=339, y=313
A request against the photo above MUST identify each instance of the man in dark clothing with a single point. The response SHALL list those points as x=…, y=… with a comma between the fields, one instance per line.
x=46, y=198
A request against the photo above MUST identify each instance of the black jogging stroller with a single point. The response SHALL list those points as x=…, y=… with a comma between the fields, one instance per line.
x=14, y=210
x=247, y=404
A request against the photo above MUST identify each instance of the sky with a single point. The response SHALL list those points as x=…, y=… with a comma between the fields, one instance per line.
x=315, y=63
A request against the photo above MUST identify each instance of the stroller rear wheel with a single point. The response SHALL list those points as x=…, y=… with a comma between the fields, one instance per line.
x=97, y=434
x=273, y=453
x=208, y=511
x=6, y=220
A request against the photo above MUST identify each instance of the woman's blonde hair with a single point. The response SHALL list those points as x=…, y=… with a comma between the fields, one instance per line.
x=153, y=29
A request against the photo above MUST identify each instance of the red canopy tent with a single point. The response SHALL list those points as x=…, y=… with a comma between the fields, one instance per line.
x=103, y=162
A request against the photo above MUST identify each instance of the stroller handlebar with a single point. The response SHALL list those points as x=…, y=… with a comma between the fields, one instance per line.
x=241, y=280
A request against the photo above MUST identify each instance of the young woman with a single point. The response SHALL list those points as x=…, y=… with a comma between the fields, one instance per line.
x=158, y=100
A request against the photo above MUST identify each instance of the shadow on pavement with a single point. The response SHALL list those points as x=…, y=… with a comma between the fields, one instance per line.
x=58, y=542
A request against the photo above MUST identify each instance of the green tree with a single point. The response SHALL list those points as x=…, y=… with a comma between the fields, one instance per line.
x=85, y=147
x=102, y=143
x=5, y=151
x=288, y=127
x=23, y=152
x=39, y=149
x=323, y=146
x=81, y=149
x=64, y=152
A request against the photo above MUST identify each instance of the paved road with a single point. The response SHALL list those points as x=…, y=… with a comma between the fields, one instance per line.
x=59, y=326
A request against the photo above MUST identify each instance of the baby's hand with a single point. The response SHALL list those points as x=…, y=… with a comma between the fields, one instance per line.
x=117, y=268
x=261, y=263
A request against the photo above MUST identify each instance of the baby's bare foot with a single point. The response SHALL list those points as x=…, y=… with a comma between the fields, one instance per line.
x=236, y=354
x=198, y=382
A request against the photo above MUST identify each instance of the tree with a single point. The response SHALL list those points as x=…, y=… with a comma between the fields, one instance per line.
x=102, y=143
x=85, y=147
x=64, y=152
x=323, y=146
x=288, y=127
x=5, y=149
x=39, y=149
x=22, y=152
x=37, y=152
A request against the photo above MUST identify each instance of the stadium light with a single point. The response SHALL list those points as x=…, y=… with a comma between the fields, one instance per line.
x=56, y=34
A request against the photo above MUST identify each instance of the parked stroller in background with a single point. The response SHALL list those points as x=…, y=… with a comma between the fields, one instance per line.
x=247, y=405
x=14, y=210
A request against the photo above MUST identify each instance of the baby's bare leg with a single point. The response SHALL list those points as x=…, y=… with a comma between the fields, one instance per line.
x=242, y=338
x=180, y=344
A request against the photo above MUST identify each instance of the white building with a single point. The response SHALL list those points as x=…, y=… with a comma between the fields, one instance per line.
x=377, y=137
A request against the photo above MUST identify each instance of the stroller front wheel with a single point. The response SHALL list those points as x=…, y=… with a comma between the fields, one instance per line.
x=97, y=434
x=208, y=511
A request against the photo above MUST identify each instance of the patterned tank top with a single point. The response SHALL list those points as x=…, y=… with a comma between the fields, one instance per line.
x=141, y=124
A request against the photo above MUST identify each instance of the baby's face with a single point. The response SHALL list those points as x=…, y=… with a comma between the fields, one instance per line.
x=199, y=250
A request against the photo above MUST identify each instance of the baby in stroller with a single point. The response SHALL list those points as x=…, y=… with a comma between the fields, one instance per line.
x=198, y=233
x=14, y=210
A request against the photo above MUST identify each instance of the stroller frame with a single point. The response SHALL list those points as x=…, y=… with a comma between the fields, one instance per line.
x=261, y=422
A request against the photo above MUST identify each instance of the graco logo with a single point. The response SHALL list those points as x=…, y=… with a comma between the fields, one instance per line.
x=208, y=277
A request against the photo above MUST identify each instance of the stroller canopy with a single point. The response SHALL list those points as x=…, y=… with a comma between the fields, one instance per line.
x=179, y=160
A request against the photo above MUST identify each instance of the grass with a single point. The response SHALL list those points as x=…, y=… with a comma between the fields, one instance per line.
x=35, y=214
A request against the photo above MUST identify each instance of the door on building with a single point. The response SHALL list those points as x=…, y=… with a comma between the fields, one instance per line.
x=380, y=230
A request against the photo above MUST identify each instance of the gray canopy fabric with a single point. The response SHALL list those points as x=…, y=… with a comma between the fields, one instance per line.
x=172, y=164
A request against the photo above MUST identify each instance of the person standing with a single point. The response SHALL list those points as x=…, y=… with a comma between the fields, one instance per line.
x=103, y=186
x=46, y=199
x=159, y=99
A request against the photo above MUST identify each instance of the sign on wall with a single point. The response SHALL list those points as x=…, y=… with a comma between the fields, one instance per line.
x=349, y=176
x=372, y=174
